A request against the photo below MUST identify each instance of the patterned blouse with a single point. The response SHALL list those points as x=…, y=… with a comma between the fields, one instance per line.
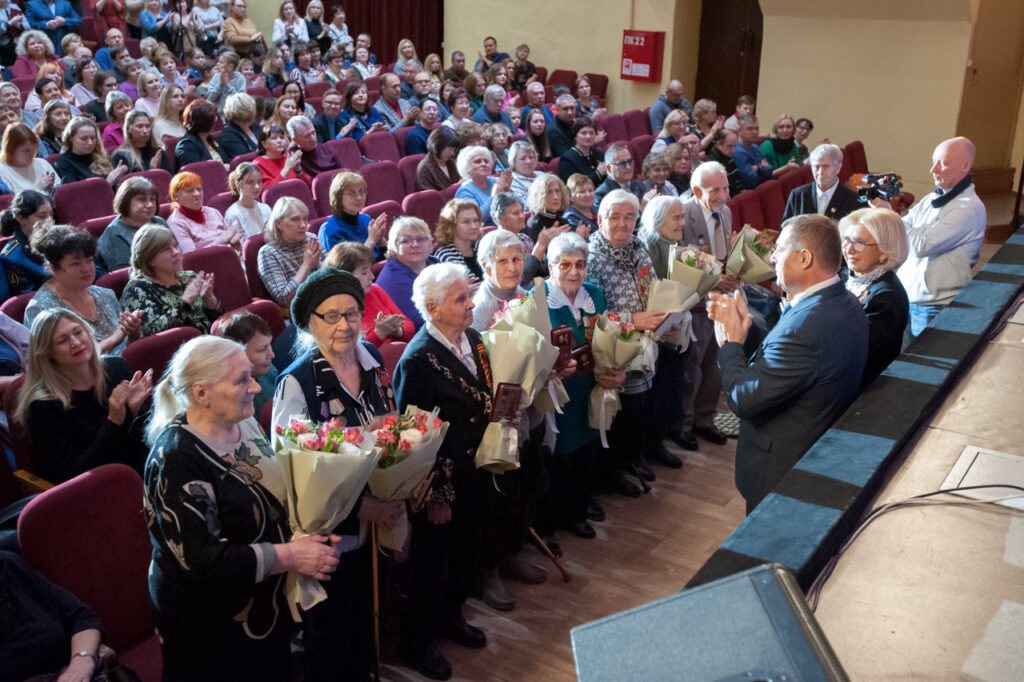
x=277, y=262
x=163, y=307
x=108, y=310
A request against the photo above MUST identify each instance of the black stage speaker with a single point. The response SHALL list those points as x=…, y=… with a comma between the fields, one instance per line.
x=751, y=626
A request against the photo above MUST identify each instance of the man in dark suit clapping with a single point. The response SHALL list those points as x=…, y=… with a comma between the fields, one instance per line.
x=807, y=370
x=826, y=195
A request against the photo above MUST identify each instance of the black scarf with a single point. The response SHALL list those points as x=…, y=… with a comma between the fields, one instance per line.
x=948, y=196
x=782, y=147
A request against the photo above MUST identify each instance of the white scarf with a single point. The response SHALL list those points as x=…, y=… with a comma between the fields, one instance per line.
x=858, y=284
x=558, y=299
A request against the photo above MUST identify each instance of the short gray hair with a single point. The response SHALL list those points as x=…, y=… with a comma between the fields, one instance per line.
x=294, y=122
x=609, y=154
x=830, y=150
x=534, y=85
x=466, y=156
x=433, y=283
x=494, y=240
x=564, y=98
x=500, y=203
x=402, y=225
x=566, y=243
x=615, y=198
x=494, y=91
x=703, y=171
x=747, y=119
x=518, y=147
x=656, y=213
x=112, y=97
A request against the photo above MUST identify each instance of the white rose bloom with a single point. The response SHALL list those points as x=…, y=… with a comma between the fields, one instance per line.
x=304, y=439
x=412, y=436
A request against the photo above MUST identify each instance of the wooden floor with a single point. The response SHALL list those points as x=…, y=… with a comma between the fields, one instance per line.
x=647, y=548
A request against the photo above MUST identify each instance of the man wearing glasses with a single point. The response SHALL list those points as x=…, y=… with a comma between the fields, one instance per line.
x=620, y=175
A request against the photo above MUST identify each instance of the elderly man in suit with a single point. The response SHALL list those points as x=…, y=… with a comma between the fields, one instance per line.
x=708, y=228
x=807, y=370
x=826, y=195
x=621, y=171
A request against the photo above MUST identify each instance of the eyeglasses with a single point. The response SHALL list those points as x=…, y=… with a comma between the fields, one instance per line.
x=857, y=245
x=413, y=241
x=334, y=317
x=623, y=164
x=566, y=266
x=355, y=192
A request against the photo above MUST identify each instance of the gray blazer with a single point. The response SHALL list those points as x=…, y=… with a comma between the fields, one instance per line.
x=696, y=231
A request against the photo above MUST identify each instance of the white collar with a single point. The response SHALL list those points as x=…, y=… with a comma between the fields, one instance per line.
x=813, y=289
x=558, y=299
x=464, y=352
x=827, y=193
x=366, y=360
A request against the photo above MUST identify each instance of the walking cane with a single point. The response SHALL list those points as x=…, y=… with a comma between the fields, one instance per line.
x=558, y=564
x=376, y=604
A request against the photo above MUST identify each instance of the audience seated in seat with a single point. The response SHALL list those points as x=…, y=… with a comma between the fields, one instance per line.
x=196, y=226
x=438, y=170
x=580, y=214
x=475, y=165
x=409, y=247
x=55, y=118
x=136, y=204
x=348, y=222
x=458, y=233
x=246, y=186
x=169, y=117
x=167, y=295
x=291, y=253
x=240, y=134
x=780, y=149
x=116, y=107
x=139, y=152
x=23, y=268
x=277, y=161
x=583, y=157
x=253, y=332
x=198, y=144
x=70, y=253
x=84, y=155
x=81, y=410
x=20, y=169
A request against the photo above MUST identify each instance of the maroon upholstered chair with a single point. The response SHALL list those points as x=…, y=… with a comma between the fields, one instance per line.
x=322, y=191
x=425, y=205
x=268, y=310
x=562, y=77
x=637, y=123
x=250, y=253
x=615, y=126
x=639, y=148
x=229, y=283
x=155, y=352
x=380, y=146
x=383, y=182
x=773, y=204
x=748, y=207
x=84, y=199
x=102, y=556
x=392, y=208
x=407, y=168
x=222, y=202
x=391, y=352
x=858, y=158
x=215, y=178
x=791, y=181
x=347, y=151
x=242, y=158
x=96, y=226
x=115, y=280
x=14, y=307
x=290, y=188
x=598, y=85
x=160, y=178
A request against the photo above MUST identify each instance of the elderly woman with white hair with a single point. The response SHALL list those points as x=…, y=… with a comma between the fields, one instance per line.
x=446, y=366
x=508, y=213
x=620, y=265
x=337, y=375
x=34, y=48
x=492, y=111
x=502, y=257
x=475, y=165
x=409, y=252
x=291, y=253
x=875, y=245
x=571, y=302
x=217, y=523
x=522, y=159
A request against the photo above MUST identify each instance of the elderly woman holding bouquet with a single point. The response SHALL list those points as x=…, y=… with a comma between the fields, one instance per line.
x=219, y=533
x=446, y=366
x=339, y=376
x=620, y=266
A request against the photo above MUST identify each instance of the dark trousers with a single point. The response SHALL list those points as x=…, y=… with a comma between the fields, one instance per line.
x=338, y=633
x=706, y=380
x=445, y=559
x=668, y=391
x=515, y=495
x=571, y=477
x=630, y=436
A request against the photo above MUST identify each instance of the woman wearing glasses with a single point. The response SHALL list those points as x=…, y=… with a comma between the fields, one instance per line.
x=337, y=375
x=291, y=254
x=409, y=248
x=875, y=245
x=349, y=223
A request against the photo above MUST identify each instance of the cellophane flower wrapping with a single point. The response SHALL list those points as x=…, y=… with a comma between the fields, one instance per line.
x=700, y=272
x=325, y=467
x=613, y=349
x=750, y=256
x=520, y=352
x=409, y=443
x=667, y=295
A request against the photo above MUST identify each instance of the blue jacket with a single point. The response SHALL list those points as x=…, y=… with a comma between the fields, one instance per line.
x=37, y=13
x=416, y=140
x=746, y=158
x=23, y=270
x=334, y=231
x=482, y=116
x=805, y=374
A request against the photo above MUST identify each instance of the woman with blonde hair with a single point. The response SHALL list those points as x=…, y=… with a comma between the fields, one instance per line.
x=168, y=122
x=406, y=54
x=246, y=185
x=677, y=124
x=459, y=228
x=547, y=200
x=780, y=149
x=433, y=67
x=167, y=295
x=81, y=409
x=139, y=152
x=219, y=531
x=84, y=155
x=150, y=89
x=291, y=254
x=56, y=115
x=348, y=222
x=315, y=21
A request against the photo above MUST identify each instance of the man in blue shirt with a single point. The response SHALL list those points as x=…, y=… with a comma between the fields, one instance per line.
x=753, y=167
x=416, y=139
x=490, y=112
x=535, y=100
x=113, y=38
x=490, y=56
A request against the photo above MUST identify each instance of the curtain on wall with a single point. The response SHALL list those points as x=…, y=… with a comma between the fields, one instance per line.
x=388, y=21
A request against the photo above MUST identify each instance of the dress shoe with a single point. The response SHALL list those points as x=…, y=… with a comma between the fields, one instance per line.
x=684, y=439
x=659, y=455
x=427, y=661
x=584, y=530
x=495, y=594
x=551, y=542
x=643, y=470
x=624, y=486
x=711, y=434
x=595, y=512
x=519, y=568
x=461, y=632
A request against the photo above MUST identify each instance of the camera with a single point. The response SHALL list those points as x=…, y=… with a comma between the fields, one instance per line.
x=885, y=185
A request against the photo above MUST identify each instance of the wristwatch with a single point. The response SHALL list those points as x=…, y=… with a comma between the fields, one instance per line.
x=86, y=654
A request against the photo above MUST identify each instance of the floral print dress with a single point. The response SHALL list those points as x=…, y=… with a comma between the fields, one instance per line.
x=164, y=308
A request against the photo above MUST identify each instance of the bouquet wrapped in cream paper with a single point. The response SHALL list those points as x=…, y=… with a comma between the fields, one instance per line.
x=696, y=270
x=325, y=468
x=520, y=352
x=750, y=256
x=409, y=445
x=675, y=299
x=615, y=345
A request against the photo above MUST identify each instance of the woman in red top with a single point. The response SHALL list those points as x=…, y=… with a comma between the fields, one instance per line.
x=110, y=14
x=279, y=162
x=382, y=319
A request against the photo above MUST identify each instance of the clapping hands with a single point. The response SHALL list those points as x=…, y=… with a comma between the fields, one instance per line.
x=130, y=323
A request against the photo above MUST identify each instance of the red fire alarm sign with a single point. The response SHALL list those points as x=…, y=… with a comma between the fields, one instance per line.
x=641, y=55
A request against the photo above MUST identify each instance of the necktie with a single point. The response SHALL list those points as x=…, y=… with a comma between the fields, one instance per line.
x=717, y=236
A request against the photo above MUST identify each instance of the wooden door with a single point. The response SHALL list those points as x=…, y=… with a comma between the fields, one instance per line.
x=729, y=61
